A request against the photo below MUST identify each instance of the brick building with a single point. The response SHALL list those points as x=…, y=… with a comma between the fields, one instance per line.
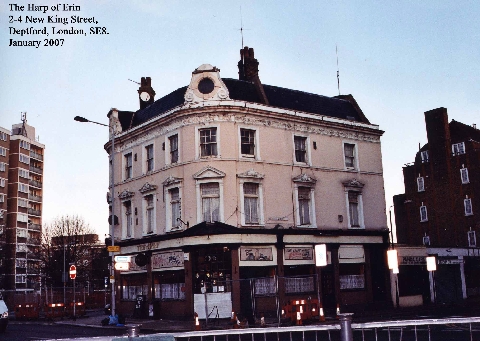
x=21, y=188
x=440, y=211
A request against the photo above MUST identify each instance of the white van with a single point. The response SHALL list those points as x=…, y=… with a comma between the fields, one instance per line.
x=3, y=315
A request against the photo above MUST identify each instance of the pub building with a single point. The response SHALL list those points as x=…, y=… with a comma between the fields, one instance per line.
x=223, y=188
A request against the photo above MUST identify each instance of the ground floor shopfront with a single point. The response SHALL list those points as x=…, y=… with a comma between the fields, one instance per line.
x=454, y=280
x=216, y=269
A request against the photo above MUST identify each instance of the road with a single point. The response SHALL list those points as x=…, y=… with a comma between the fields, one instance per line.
x=32, y=331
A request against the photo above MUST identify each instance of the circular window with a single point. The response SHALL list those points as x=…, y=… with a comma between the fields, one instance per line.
x=206, y=86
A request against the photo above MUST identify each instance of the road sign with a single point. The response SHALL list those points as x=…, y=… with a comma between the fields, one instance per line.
x=113, y=248
x=123, y=259
x=122, y=266
x=73, y=271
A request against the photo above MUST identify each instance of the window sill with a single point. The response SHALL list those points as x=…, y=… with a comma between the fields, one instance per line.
x=357, y=227
x=468, y=215
x=306, y=226
x=424, y=221
x=172, y=230
x=148, y=234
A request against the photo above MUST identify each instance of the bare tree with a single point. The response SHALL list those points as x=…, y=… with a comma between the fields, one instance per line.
x=69, y=240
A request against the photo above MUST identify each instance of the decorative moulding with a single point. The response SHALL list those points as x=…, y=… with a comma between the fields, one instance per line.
x=251, y=173
x=353, y=184
x=171, y=180
x=125, y=195
x=305, y=178
x=208, y=172
x=219, y=91
x=147, y=188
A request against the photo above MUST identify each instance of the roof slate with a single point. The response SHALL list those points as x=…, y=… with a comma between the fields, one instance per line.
x=245, y=91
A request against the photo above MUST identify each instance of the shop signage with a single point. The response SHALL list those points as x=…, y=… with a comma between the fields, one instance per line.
x=299, y=253
x=412, y=260
x=256, y=254
x=135, y=267
x=173, y=259
x=450, y=261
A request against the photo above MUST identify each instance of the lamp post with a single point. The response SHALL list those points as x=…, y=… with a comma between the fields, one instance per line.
x=112, y=194
x=392, y=256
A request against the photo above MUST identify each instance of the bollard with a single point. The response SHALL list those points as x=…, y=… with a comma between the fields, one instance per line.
x=133, y=330
x=346, y=333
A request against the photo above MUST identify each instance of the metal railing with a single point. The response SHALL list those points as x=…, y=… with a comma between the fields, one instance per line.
x=36, y=155
x=36, y=169
x=36, y=227
x=35, y=183
x=34, y=197
x=465, y=328
x=34, y=212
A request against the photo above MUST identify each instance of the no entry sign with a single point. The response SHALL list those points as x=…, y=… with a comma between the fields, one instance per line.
x=73, y=271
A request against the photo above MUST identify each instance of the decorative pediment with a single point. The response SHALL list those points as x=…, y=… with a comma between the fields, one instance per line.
x=147, y=188
x=252, y=174
x=208, y=172
x=305, y=178
x=171, y=180
x=125, y=195
x=353, y=184
x=206, y=85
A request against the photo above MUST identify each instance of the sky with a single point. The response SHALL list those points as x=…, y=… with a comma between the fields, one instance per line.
x=397, y=58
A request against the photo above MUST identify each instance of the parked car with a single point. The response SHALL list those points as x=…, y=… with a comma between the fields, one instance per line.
x=3, y=315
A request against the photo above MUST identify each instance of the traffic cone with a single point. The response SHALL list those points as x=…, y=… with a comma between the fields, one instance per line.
x=197, y=322
x=321, y=314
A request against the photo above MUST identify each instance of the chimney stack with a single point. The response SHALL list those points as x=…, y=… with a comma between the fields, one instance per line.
x=146, y=93
x=248, y=71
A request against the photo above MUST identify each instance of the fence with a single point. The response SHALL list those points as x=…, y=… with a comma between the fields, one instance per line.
x=53, y=302
x=458, y=329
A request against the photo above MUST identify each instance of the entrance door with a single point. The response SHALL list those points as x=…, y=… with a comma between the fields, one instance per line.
x=328, y=287
x=448, y=283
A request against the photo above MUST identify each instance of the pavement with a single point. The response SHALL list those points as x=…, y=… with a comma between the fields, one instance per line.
x=93, y=318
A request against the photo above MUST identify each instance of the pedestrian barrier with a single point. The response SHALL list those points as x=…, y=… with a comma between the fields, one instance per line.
x=29, y=311
x=79, y=309
x=54, y=310
x=297, y=311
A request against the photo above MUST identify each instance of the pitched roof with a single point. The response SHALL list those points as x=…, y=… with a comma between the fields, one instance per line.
x=245, y=91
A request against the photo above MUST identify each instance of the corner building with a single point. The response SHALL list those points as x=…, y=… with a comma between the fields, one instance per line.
x=223, y=188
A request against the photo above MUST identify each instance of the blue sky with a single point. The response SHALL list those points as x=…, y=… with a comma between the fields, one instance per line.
x=397, y=58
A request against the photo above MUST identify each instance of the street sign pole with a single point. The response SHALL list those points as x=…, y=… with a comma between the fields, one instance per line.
x=74, y=302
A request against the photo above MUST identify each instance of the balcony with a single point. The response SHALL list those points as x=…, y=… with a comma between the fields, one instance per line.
x=35, y=227
x=35, y=183
x=34, y=197
x=36, y=155
x=34, y=212
x=22, y=248
x=33, y=241
x=36, y=169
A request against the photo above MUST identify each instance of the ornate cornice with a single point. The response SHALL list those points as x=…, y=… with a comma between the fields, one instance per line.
x=215, y=114
x=171, y=180
x=305, y=178
x=353, y=184
x=125, y=195
x=251, y=173
x=147, y=188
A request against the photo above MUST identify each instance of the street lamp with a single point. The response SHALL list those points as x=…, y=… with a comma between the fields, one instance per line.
x=112, y=194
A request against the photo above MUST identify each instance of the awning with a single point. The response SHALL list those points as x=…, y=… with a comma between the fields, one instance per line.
x=351, y=254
